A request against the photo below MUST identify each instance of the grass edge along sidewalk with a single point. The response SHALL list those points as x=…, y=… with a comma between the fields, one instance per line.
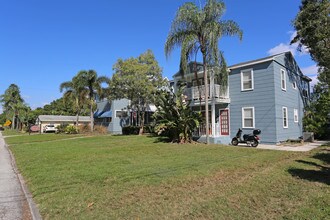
x=139, y=177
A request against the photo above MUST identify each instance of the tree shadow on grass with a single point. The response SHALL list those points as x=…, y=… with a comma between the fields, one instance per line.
x=316, y=172
x=159, y=139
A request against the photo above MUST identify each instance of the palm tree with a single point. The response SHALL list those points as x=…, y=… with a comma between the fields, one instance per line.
x=196, y=30
x=12, y=102
x=93, y=85
x=75, y=92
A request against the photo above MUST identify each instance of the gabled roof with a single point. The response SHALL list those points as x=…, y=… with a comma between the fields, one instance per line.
x=262, y=60
x=63, y=118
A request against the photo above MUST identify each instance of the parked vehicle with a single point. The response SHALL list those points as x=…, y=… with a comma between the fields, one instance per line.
x=49, y=128
x=249, y=139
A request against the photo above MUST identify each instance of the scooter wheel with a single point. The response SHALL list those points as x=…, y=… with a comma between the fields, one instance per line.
x=234, y=142
x=254, y=143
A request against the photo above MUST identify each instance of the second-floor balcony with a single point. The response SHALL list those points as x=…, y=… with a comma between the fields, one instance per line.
x=196, y=93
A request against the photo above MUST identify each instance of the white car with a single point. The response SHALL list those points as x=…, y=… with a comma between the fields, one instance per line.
x=49, y=128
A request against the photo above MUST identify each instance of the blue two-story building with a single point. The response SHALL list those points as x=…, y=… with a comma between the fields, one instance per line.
x=267, y=94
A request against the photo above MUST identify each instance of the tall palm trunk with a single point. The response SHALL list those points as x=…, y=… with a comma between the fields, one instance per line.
x=77, y=120
x=92, y=117
x=206, y=99
x=198, y=86
x=13, y=123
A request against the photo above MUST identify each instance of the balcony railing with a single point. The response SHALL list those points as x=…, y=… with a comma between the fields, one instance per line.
x=201, y=130
x=194, y=93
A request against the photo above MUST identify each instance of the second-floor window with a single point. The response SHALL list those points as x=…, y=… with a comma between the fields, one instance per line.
x=294, y=85
x=247, y=80
x=283, y=80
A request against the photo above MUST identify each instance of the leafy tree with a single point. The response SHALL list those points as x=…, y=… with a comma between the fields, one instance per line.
x=196, y=30
x=93, y=85
x=3, y=118
x=313, y=30
x=174, y=117
x=74, y=92
x=317, y=117
x=12, y=104
x=137, y=79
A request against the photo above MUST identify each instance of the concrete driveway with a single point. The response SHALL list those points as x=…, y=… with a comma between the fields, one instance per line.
x=14, y=202
x=299, y=148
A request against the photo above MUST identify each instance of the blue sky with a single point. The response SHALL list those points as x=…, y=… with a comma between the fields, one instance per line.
x=44, y=43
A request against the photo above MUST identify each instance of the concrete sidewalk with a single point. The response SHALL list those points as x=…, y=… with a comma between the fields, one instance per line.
x=13, y=200
x=299, y=148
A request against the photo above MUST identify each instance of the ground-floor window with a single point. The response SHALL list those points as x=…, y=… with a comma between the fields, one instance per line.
x=248, y=117
x=285, y=117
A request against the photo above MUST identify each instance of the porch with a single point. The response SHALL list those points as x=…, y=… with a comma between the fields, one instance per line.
x=195, y=93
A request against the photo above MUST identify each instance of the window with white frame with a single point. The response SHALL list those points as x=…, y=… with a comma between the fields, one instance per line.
x=294, y=85
x=285, y=117
x=247, y=80
x=295, y=115
x=120, y=114
x=283, y=80
x=248, y=117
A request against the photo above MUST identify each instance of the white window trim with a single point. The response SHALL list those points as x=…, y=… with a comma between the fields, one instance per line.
x=287, y=117
x=252, y=83
x=253, y=117
x=116, y=113
x=283, y=77
x=295, y=115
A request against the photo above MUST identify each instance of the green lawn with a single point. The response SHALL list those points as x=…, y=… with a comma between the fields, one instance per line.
x=9, y=132
x=132, y=177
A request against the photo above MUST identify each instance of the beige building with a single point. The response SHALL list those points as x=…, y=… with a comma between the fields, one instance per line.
x=56, y=120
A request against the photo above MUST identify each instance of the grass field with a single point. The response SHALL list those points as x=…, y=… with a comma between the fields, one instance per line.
x=9, y=132
x=132, y=177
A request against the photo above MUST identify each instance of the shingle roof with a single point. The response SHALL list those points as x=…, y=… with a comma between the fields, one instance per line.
x=63, y=118
x=265, y=59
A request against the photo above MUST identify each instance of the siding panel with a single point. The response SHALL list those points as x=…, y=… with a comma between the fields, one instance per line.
x=262, y=98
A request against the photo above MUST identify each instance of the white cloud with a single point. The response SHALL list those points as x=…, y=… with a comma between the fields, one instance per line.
x=311, y=72
x=284, y=47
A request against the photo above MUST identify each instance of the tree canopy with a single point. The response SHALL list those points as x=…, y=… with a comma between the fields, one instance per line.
x=91, y=84
x=313, y=31
x=13, y=104
x=137, y=79
x=312, y=24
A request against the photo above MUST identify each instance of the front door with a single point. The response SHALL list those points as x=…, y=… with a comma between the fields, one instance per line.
x=224, y=122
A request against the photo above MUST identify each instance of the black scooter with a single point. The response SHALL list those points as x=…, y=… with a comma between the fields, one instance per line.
x=249, y=139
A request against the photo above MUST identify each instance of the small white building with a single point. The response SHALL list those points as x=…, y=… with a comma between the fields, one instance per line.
x=56, y=120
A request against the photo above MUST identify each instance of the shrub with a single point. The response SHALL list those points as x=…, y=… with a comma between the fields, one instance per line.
x=61, y=128
x=100, y=129
x=128, y=130
x=149, y=129
x=84, y=128
x=71, y=129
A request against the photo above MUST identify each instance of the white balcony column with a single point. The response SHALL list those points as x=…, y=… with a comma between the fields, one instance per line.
x=212, y=96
